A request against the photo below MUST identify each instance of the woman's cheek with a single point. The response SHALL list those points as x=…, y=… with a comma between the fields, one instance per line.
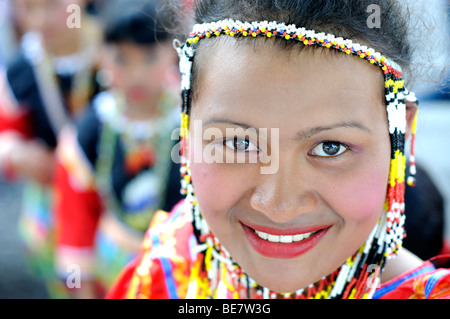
x=360, y=197
x=215, y=187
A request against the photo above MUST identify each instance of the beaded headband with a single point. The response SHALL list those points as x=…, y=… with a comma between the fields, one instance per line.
x=352, y=279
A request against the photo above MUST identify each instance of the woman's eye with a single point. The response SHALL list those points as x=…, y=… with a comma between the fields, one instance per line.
x=329, y=149
x=240, y=144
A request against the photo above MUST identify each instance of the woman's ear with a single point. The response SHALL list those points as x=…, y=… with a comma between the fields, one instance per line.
x=411, y=110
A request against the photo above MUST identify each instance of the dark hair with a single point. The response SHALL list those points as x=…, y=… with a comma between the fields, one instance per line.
x=137, y=22
x=343, y=18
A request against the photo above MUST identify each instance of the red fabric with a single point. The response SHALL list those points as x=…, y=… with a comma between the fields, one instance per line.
x=13, y=122
x=416, y=284
x=155, y=276
x=155, y=287
x=120, y=287
x=445, y=247
x=77, y=213
x=18, y=122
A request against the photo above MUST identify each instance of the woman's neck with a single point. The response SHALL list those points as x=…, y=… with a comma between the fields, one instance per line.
x=403, y=262
x=143, y=110
x=65, y=45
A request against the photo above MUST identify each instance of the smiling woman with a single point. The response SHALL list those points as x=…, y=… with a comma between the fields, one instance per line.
x=327, y=222
x=311, y=188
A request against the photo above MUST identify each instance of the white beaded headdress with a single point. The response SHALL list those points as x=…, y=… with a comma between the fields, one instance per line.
x=356, y=278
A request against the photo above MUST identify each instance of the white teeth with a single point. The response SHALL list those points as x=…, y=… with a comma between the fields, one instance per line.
x=286, y=239
x=283, y=238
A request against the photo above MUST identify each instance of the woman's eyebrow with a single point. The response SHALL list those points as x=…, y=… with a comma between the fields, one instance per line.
x=305, y=134
x=308, y=133
x=226, y=121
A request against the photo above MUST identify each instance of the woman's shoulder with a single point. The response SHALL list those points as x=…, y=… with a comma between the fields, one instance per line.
x=429, y=280
x=170, y=235
x=162, y=268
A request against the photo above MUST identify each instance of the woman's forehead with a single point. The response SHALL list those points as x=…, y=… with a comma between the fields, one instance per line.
x=260, y=71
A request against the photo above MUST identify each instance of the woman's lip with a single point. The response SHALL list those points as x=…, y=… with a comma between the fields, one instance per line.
x=284, y=250
x=286, y=232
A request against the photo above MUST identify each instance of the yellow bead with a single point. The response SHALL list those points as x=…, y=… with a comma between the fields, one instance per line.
x=287, y=37
x=254, y=34
x=305, y=42
x=217, y=33
x=208, y=35
x=196, y=39
x=244, y=33
x=269, y=34
x=263, y=30
x=232, y=34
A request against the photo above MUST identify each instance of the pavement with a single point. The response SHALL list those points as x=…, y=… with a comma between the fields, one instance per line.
x=15, y=280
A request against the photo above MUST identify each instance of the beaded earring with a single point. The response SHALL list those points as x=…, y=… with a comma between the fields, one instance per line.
x=411, y=181
x=215, y=275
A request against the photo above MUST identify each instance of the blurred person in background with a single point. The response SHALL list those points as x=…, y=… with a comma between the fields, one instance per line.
x=8, y=34
x=47, y=85
x=115, y=168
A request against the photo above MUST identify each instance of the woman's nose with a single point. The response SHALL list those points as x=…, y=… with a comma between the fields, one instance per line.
x=284, y=195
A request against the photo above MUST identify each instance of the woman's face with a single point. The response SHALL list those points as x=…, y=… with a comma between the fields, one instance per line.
x=290, y=225
x=50, y=17
x=139, y=71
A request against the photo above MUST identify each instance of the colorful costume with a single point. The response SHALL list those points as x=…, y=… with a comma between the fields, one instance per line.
x=40, y=95
x=111, y=178
x=167, y=263
x=202, y=268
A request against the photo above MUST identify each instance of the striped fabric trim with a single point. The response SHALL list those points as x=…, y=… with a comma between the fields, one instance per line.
x=393, y=285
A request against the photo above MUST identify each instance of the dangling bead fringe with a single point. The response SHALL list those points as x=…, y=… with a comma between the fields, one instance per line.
x=411, y=181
